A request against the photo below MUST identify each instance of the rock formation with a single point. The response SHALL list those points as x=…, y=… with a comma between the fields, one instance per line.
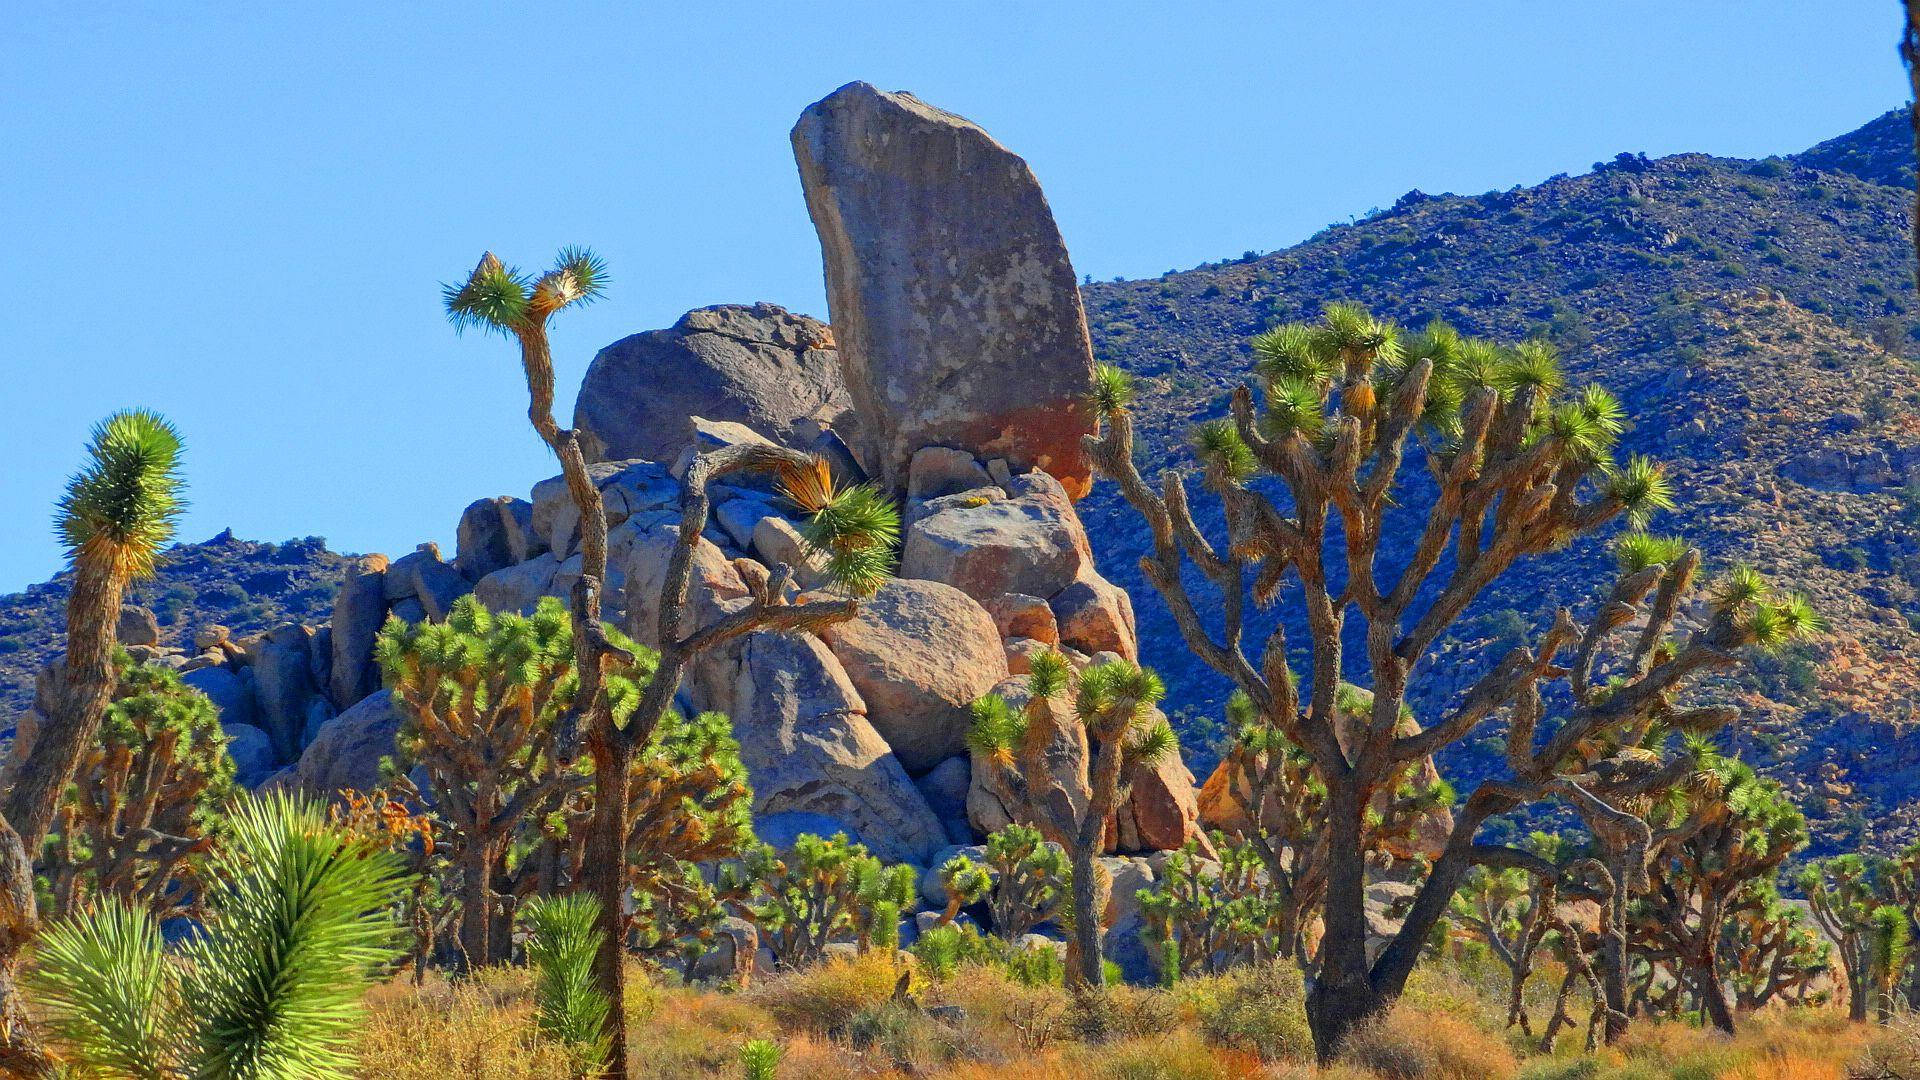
x=759, y=366
x=959, y=384
x=954, y=305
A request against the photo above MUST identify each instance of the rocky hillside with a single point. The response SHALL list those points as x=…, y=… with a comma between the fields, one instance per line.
x=1757, y=318
x=240, y=584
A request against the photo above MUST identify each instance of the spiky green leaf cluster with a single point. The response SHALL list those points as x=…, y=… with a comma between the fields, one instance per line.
x=120, y=509
x=1113, y=389
x=299, y=926
x=108, y=994
x=1642, y=488
x=856, y=533
x=1220, y=447
x=569, y=1005
x=1637, y=550
x=272, y=988
x=501, y=299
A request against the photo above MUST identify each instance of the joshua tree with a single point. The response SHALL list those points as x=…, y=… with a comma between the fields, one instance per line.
x=1114, y=704
x=145, y=798
x=480, y=692
x=1023, y=880
x=1512, y=910
x=854, y=529
x=1736, y=828
x=824, y=888
x=118, y=511
x=297, y=924
x=1517, y=468
x=1206, y=915
x=1769, y=951
x=1844, y=896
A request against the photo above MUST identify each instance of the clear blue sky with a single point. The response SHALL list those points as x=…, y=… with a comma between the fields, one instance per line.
x=240, y=214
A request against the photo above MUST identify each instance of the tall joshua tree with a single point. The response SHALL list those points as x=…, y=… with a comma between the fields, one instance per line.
x=118, y=511
x=852, y=528
x=1114, y=703
x=1517, y=467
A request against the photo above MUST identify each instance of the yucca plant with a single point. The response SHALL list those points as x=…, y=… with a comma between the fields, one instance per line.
x=117, y=512
x=758, y=1059
x=270, y=990
x=563, y=938
x=854, y=529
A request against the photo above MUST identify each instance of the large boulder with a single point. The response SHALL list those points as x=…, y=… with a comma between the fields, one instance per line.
x=359, y=607
x=715, y=582
x=808, y=748
x=761, y=366
x=282, y=668
x=626, y=488
x=920, y=652
x=954, y=304
x=518, y=587
x=989, y=542
x=346, y=752
x=483, y=542
x=1096, y=616
x=1162, y=810
x=231, y=696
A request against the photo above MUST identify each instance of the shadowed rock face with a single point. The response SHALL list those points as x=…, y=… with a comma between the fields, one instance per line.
x=757, y=365
x=954, y=304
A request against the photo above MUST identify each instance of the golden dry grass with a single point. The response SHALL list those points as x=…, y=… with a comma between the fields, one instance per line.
x=840, y=1022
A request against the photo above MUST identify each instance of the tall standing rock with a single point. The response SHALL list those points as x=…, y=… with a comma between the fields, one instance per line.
x=954, y=305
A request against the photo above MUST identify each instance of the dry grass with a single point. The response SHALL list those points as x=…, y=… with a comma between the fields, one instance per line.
x=840, y=1022
x=478, y=1028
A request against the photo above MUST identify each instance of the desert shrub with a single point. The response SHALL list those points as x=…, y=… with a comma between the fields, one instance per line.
x=1258, y=1011
x=1579, y=1068
x=1170, y=1056
x=907, y=1039
x=480, y=1028
x=826, y=997
x=1041, y=965
x=942, y=949
x=1412, y=1044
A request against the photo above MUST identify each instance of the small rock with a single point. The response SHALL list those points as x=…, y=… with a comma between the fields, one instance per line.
x=137, y=626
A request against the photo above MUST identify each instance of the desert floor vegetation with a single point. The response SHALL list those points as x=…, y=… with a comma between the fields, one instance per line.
x=843, y=1018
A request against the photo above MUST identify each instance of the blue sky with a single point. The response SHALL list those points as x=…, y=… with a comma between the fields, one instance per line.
x=240, y=214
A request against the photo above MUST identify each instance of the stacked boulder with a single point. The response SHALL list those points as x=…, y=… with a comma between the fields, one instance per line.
x=954, y=377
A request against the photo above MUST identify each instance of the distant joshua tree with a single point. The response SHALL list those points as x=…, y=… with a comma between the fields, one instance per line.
x=1518, y=467
x=118, y=511
x=1114, y=704
x=853, y=529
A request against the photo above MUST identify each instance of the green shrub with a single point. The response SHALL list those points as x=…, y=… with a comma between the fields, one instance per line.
x=758, y=1059
x=1258, y=1011
x=942, y=949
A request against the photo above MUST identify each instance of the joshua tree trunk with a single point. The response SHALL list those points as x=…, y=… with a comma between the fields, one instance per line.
x=1342, y=995
x=1713, y=997
x=477, y=919
x=1088, y=969
x=80, y=700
